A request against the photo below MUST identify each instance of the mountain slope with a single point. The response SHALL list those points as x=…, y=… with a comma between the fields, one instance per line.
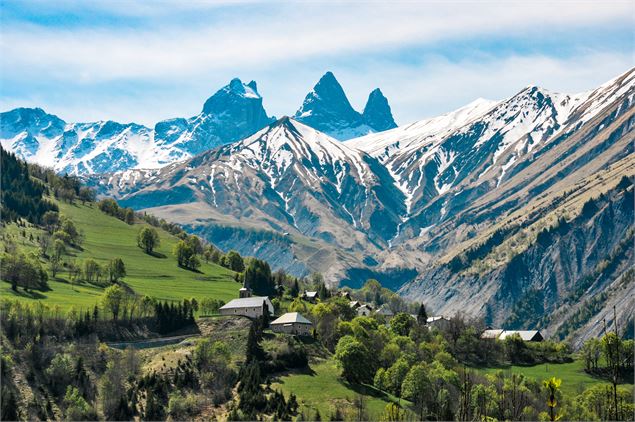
x=478, y=147
x=232, y=113
x=327, y=109
x=287, y=178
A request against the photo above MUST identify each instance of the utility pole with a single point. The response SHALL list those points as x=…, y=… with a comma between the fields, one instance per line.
x=616, y=369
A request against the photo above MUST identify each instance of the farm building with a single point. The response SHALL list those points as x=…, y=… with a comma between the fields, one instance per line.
x=364, y=310
x=491, y=334
x=249, y=306
x=439, y=322
x=344, y=294
x=526, y=335
x=385, y=311
x=292, y=323
x=244, y=292
x=310, y=296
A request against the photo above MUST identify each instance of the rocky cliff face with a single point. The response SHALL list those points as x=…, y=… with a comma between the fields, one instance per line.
x=564, y=282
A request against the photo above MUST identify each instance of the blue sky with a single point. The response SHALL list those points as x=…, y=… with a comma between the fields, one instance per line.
x=147, y=61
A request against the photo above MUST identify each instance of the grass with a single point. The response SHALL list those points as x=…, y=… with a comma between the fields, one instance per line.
x=320, y=388
x=574, y=378
x=107, y=237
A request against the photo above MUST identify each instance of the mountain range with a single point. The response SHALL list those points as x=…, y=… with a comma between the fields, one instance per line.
x=517, y=210
x=231, y=114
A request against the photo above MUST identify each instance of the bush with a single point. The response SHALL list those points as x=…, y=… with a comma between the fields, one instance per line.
x=59, y=373
x=183, y=407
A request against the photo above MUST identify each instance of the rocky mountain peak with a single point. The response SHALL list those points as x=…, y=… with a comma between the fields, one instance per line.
x=327, y=109
x=236, y=95
x=377, y=113
x=326, y=98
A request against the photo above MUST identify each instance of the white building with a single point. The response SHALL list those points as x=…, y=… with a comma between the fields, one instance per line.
x=526, y=335
x=249, y=306
x=364, y=310
x=292, y=323
x=310, y=296
x=439, y=322
x=385, y=311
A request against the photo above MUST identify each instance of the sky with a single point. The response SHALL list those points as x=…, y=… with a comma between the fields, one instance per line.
x=136, y=61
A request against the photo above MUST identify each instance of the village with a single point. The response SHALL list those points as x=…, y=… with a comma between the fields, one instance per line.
x=294, y=323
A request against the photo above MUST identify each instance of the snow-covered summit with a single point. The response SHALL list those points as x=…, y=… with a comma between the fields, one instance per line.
x=232, y=113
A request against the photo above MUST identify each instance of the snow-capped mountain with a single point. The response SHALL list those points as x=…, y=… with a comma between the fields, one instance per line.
x=232, y=113
x=288, y=177
x=486, y=142
x=448, y=208
x=327, y=109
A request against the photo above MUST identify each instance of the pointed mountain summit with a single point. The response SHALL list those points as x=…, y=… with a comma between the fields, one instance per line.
x=234, y=112
x=327, y=109
x=377, y=113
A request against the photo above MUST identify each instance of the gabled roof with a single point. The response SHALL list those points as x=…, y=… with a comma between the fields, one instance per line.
x=291, y=318
x=354, y=304
x=248, y=302
x=436, y=318
x=310, y=294
x=526, y=335
x=491, y=333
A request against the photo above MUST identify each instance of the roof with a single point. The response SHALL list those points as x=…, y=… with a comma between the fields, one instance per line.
x=290, y=318
x=310, y=294
x=491, y=333
x=436, y=318
x=526, y=335
x=367, y=306
x=248, y=302
x=385, y=310
x=353, y=304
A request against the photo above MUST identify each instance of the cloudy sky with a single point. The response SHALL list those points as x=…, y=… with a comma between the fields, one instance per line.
x=143, y=62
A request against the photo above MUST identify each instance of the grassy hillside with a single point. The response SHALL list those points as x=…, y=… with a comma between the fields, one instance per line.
x=321, y=388
x=574, y=378
x=107, y=237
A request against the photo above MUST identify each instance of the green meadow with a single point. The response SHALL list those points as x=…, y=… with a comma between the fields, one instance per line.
x=574, y=378
x=321, y=388
x=107, y=237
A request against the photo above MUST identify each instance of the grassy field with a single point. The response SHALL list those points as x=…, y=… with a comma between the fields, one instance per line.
x=107, y=237
x=320, y=388
x=574, y=379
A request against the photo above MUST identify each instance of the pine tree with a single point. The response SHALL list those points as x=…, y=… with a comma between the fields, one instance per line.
x=422, y=315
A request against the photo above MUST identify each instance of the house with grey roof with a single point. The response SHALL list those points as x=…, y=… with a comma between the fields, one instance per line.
x=252, y=307
x=439, y=322
x=385, y=311
x=292, y=323
x=364, y=310
x=310, y=296
x=525, y=335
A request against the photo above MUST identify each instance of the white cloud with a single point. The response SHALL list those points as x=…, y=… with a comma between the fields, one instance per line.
x=166, y=66
x=271, y=35
x=439, y=86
